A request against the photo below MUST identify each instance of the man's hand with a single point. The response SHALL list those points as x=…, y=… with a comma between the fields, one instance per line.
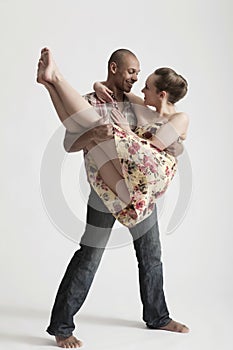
x=175, y=149
x=102, y=133
x=77, y=142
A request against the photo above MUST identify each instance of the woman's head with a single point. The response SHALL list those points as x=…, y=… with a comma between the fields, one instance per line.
x=164, y=84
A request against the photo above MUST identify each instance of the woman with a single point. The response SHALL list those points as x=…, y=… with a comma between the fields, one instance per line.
x=147, y=167
x=130, y=172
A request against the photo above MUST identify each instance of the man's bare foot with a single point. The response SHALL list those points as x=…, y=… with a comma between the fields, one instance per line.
x=70, y=342
x=47, y=69
x=174, y=326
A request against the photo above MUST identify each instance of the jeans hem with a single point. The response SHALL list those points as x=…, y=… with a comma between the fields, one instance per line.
x=58, y=334
x=162, y=324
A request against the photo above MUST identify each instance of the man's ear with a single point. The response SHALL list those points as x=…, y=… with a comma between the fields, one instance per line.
x=113, y=67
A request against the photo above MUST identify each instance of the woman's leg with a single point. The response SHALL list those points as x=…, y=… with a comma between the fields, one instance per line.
x=69, y=123
x=70, y=104
x=74, y=104
x=110, y=171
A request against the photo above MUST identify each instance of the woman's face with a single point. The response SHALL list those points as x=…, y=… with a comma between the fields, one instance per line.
x=152, y=97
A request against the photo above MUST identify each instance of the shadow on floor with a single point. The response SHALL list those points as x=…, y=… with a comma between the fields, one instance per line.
x=109, y=321
x=30, y=314
x=26, y=339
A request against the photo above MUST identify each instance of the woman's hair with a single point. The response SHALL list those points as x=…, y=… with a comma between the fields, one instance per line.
x=171, y=82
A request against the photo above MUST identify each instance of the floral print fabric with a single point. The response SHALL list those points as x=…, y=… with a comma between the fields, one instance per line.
x=147, y=173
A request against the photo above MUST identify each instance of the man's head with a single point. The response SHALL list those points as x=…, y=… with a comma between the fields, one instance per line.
x=123, y=69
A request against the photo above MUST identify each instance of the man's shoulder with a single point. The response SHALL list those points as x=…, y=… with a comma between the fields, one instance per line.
x=90, y=94
x=92, y=98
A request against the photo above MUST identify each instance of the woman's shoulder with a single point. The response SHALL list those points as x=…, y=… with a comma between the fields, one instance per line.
x=180, y=121
x=180, y=116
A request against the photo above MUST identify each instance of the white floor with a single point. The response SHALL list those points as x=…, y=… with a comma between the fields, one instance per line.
x=24, y=329
x=111, y=315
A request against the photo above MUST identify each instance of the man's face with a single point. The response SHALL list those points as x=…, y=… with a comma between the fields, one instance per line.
x=126, y=73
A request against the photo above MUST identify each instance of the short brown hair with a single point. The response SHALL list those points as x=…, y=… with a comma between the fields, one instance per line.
x=174, y=84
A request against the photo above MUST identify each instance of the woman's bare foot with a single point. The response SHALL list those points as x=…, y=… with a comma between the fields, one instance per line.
x=174, y=326
x=47, y=69
x=70, y=342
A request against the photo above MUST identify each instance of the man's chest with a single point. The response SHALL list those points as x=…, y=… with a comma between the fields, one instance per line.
x=105, y=110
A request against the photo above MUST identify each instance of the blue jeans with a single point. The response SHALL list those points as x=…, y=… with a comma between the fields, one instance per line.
x=81, y=270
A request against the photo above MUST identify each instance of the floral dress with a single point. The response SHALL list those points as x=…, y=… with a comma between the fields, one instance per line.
x=147, y=172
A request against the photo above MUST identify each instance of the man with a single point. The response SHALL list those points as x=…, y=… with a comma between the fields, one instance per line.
x=123, y=68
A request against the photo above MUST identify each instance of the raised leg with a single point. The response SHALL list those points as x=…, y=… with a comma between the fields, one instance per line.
x=67, y=121
x=109, y=168
x=74, y=104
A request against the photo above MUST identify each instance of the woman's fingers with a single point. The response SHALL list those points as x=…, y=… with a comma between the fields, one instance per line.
x=119, y=119
x=107, y=96
x=109, y=91
x=118, y=115
x=101, y=99
x=104, y=97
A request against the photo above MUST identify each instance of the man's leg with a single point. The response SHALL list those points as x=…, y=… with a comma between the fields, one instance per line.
x=81, y=270
x=148, y=251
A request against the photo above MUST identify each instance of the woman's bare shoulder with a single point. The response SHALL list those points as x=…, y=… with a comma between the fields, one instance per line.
x=181, y=122
x=181, y=117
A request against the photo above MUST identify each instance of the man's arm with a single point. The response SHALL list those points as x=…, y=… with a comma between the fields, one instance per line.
x=175, y=149
x=74, y=142
x=171, y=131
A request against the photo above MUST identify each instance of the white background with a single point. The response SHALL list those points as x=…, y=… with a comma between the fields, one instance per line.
x=194, y=38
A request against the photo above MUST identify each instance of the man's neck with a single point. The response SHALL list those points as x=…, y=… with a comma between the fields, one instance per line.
x=118, y=94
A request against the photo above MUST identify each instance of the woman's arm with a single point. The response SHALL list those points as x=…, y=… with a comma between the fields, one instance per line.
x=143, y=113
x=102, y=91
x=167, y=135
x=135, y=99
x=104, y=94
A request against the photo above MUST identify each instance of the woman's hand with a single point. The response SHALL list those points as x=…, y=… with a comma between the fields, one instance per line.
x=120, y=119
x=103, y=93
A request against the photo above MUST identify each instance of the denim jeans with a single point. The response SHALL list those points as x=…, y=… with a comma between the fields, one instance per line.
x=81, y=270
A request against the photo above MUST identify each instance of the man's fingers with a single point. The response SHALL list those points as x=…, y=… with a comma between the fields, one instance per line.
x=105, y=129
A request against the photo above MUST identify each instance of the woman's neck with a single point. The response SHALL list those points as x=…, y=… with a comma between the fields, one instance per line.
x=166, y=110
